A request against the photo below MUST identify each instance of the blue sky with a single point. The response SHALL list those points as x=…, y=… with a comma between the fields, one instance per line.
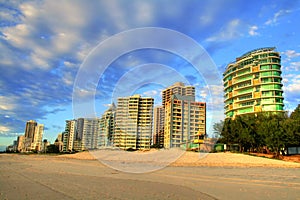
x=43, y=45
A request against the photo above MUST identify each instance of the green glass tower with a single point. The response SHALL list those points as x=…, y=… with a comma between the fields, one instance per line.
x=252, y=83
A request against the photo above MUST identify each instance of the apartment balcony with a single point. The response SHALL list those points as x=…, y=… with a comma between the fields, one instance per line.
x=255, y=69
x=257, y=109
x=257, y=95
x=256, y=82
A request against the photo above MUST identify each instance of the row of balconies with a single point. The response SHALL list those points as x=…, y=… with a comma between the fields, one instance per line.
x=256, y=105
x=251, y=70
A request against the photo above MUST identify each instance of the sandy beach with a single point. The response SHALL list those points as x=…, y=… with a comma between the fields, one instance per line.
x=82, y=176
x=211, y=159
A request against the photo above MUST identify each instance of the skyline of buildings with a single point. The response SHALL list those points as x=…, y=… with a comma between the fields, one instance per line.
x=133, y=124
x=32, y=138
x=252, y=83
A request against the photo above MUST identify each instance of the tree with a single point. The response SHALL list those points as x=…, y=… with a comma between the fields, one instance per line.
x=293, y=128
x=226, y=134
x=218, y=127
x=296, y=113
x=273, y=127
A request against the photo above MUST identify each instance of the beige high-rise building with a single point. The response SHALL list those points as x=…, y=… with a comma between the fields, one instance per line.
x=33, y=136
x=38, y=137
x=69, y=135
x=21, y=143
x=177, y=88
x=158, y=127
x=185, y=122
x=30, y=129
x=133, y=127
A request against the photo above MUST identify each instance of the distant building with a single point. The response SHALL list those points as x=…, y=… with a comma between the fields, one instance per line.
x=21, y=143
x=133, y=127
x=69, y=135
x=252, y=83
x=185, y=121
x=38, y=137
x=88, y=130
x=177, y=88
x=33, y=136
x=107, y=127
x=59, y=142
x=158, y=130
x=30, y=129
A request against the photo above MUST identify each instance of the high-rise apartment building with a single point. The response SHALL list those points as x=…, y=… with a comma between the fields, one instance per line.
x=30, y=129
x=37, y=138
x=177, y=88
x=185, y=121
x=158, y=127
x=133, y=127
x=69, y=135
x=107, y=127
x=159, y=118
x=88, y=130
x=33, y=136
x=252, y=83
x=20, y=143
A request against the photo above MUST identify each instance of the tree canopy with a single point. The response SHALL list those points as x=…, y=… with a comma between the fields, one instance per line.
x=258, y=132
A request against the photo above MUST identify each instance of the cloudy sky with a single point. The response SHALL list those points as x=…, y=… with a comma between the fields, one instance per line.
x=48, y=50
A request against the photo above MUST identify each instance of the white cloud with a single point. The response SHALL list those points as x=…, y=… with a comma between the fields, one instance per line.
x=145, y=10
x=277, y=15
x=229, y=32
x=291, y=89
x=4, y=129
x=253, y=30
x=291, y=54
x=212, y=95
x=151, y=93
x=7, y=103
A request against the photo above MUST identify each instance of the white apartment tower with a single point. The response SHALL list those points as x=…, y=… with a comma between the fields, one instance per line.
x=133, y=127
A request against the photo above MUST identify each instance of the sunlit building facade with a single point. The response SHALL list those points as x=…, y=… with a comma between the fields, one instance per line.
x=178, y=88
x=185, y=121
x=69, y=135
x=133, y=127
x=33, y=136
x=252, y=83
